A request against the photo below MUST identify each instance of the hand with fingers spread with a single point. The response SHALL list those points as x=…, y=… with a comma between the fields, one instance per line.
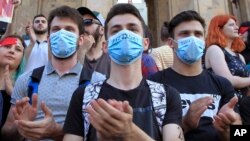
x=24, y=111
x=7, y=80
x=25, y=114
x=227, y=116
x=110, y=122
x=196, y=109
x=41, y=129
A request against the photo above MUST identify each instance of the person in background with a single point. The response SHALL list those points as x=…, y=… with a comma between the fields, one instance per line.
x=163, y=55
x=208, y=102
x=148, y=64
x=223, y=52
x=223, y=58
x=11, y=66
x=36, y=53
x=95, y=59
x=244, y=32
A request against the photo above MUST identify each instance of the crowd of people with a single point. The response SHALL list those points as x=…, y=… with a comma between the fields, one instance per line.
x=82, y=77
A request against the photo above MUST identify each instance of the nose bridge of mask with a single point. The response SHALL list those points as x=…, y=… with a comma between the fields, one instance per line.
x=125, y=47
x=63, y=43
x=200, y=43
x=64, y=33
x=124, y=34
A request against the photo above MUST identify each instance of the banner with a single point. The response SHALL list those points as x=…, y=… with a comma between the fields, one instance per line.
x=6, y=10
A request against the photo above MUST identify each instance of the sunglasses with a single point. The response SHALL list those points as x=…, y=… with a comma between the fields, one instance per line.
x=88, y=22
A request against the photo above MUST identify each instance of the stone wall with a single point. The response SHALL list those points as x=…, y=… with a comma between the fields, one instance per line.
x=30, y=8
x=158, y=10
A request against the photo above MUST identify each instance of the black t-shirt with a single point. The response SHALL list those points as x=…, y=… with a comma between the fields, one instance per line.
x=101, y=65
x=141, y=101
x=245, y=109
x=194, y=87
x=5, y=106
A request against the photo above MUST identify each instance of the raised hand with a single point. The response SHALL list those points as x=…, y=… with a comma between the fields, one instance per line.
x=227, y=116
x=197, y=108
x=16, y=3
x=24, y=111
x=30, y=32
x=41, y=129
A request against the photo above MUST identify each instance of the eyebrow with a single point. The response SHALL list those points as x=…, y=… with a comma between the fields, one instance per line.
x=190, y=31
x=128, y=25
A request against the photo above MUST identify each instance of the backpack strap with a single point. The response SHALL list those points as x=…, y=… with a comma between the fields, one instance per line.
x=91, y=92
x=35, y=79
x=158, y=95
x=84, y=79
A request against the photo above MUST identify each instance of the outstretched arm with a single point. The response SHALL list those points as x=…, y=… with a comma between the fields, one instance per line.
x=9, y=29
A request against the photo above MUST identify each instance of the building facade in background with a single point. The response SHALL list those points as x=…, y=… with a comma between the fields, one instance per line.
x=153, y=11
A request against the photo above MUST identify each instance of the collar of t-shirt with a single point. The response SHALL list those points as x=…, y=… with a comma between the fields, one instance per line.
x=75, y=70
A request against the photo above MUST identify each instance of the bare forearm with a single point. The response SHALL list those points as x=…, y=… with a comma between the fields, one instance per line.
x=29, y=49
x=10, y=26
x=81, y=56
x=58, y=134
x=137, y=135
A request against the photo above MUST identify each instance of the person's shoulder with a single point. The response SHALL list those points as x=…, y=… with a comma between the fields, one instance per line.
x=216, y=77
x=156, y=77
x=215, y=49
x=161, y=73
x=24, y=76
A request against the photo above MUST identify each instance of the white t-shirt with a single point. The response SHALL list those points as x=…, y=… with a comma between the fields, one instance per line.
x=38, y=56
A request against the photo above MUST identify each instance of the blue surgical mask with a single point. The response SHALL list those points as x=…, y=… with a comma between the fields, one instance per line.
x=63, y=43
x=125, y=47
x=190, y=49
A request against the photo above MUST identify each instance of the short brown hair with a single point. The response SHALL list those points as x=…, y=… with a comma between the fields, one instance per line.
x=67, y=12
x=120, y=9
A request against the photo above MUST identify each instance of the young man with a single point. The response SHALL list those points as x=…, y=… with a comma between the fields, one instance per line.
x=45, y=117
x=36, y=53
x=95, y=60
x=208, y=100
x=124, y=108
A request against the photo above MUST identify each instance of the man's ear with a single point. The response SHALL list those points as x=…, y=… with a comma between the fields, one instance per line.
x=105, y=46
x=80, y=40
x=101, y=30
x=146, y=43
x=171, y=42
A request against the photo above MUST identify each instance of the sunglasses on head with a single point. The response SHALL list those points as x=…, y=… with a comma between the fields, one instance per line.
x=88, y=22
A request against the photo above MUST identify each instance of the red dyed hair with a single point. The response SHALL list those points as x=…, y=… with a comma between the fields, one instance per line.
x=216, y=36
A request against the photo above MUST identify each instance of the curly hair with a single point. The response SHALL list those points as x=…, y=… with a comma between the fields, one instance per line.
x=216, y=36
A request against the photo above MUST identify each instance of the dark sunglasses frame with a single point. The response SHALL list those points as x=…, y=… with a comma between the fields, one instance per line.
x=88, y=22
